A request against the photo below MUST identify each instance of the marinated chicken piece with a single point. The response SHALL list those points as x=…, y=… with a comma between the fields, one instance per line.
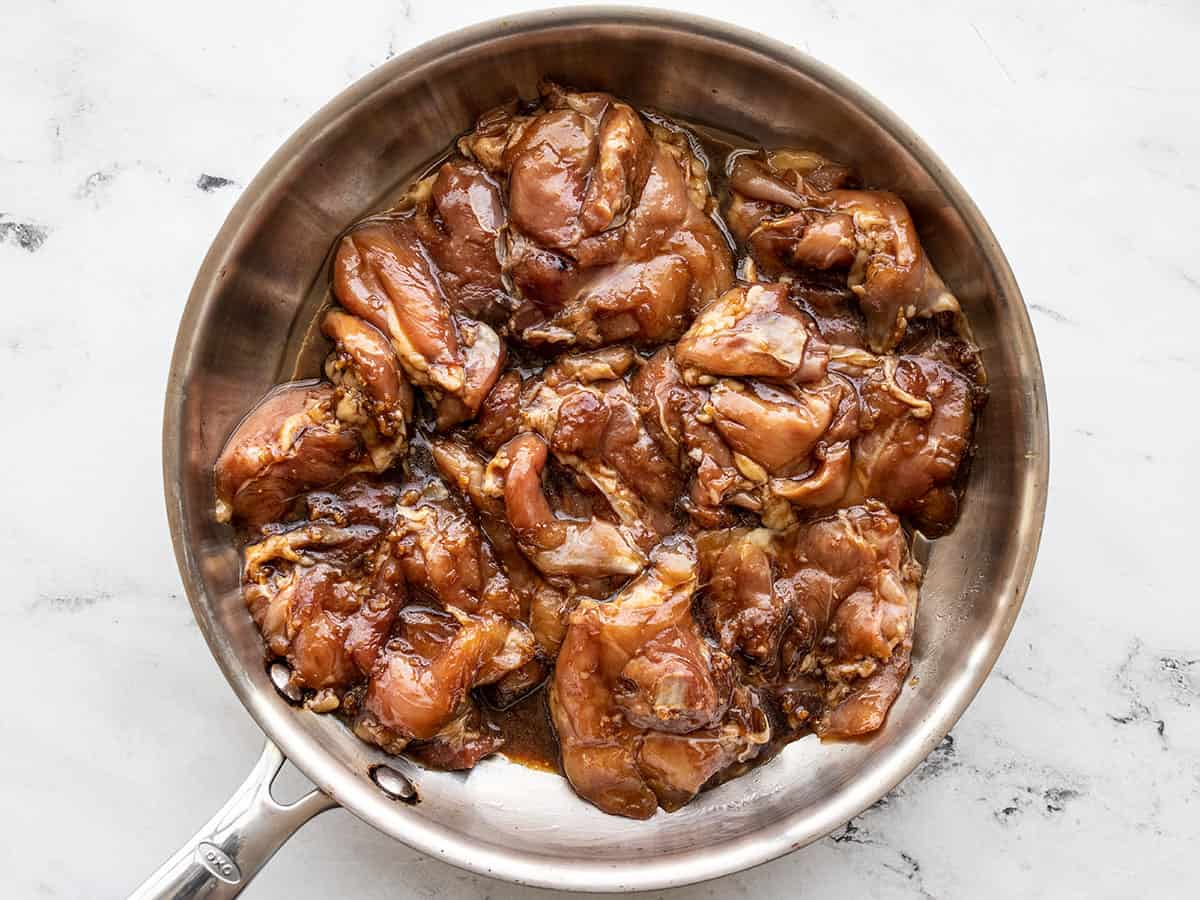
x=324, y=597
x=622, y=164
x=606, y=242
x=290, y=443
x=460, y=222
x=641, y=284
x=544, y=605
x=677, y=766
x=572, y=171
x=417, y=683
x=422, y=679
x=598, y=433
x=752, y=331
x=740, y=602
x=638, y=696
x=900, y=432
x=919, y=415
x=868, y=233
x=822, y=292
x=484, y=358
x=381, y=274
x=826, y=486
x=367, y=373
x=671, y=216
x=677, y=416
x=445, y=554
x=411, y=277
x=555, y=545
x=583, y=409
x=818, y=478
x=548, y=168
x=674, y=683
x=598, y=746
x=762, y=188
x=836, y=657
x=749, y=443
x=500, y=415
x=643, y=301
x=901, y=437
x=778, y=427
x=865, y=587
x=891, y=275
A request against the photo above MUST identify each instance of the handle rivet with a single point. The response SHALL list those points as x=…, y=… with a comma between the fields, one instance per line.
x=393, y=783
x=281, y=677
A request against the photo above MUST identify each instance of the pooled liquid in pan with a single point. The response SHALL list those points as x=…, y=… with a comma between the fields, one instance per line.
x=614, y=462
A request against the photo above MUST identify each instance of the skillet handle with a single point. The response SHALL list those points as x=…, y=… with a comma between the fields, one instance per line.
x=222, y=857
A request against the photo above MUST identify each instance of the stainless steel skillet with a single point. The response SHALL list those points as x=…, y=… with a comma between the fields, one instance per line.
x=253, y=302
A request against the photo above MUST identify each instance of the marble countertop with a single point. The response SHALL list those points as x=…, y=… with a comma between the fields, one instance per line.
x=129, y=130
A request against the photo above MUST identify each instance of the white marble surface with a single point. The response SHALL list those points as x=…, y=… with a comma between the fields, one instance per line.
x=128, y=131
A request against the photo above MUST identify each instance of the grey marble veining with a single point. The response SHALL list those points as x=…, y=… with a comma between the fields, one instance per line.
x=129, y=131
